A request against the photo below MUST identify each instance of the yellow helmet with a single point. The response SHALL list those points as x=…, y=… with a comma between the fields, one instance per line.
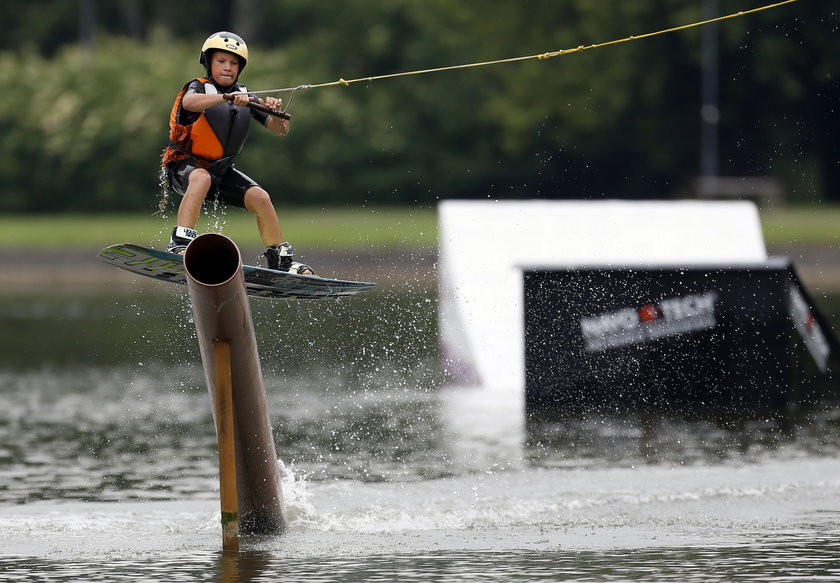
x=224, y=41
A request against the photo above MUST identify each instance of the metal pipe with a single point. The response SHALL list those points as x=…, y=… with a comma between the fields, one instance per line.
x=216, y=287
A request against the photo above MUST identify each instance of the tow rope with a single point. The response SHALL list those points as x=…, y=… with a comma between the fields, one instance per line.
x=540, y=56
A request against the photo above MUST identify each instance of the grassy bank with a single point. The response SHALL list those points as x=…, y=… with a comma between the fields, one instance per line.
x=347, y=228
x=812, y=225
x=350, y=228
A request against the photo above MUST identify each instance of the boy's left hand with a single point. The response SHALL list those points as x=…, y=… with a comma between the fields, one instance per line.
x=273, y=103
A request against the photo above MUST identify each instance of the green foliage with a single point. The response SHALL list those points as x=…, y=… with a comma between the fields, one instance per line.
x=87, y=129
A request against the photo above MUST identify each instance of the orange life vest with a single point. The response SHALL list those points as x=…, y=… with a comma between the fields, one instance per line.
x=218, y=132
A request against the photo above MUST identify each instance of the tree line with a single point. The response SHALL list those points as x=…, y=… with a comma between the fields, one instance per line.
x=89, y=94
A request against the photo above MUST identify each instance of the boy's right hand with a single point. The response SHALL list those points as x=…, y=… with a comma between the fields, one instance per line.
x=240, y=99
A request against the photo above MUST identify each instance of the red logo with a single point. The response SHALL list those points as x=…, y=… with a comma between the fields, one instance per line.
x=648, y=313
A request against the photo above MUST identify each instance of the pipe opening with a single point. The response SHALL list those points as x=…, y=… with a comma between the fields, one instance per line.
x=212, y=259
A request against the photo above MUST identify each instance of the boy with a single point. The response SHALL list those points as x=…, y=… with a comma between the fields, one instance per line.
x=208, y=127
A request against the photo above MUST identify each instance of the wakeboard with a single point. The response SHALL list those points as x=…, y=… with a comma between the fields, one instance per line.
x=259, y=282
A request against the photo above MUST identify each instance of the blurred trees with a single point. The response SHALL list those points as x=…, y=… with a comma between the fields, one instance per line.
x=90, y=119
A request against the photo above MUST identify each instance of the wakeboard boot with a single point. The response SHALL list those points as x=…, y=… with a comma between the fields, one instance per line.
x=181, y=237
x=281, y=258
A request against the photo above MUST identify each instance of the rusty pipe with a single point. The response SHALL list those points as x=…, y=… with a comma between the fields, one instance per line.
x=216, y=287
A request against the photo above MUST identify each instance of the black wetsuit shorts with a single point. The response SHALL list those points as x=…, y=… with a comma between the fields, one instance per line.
x=229, y=184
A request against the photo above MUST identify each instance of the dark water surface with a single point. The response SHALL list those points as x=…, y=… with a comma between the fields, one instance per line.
x=108, y=470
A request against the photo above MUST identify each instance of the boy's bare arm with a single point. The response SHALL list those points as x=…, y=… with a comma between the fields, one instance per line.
x=198, y=102
x=276, y=125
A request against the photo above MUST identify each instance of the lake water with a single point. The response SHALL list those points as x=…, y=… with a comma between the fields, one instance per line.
x=108, y=468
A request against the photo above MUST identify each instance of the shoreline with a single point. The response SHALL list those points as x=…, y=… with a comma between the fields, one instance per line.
x=81, y=269
x=22, y=270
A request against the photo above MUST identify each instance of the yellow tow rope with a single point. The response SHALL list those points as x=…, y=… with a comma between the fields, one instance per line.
x=540, y=56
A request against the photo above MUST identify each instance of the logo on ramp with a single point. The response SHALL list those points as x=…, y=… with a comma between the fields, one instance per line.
x=668, y=317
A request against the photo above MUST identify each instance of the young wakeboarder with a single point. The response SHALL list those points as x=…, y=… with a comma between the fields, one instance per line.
x=208, y=126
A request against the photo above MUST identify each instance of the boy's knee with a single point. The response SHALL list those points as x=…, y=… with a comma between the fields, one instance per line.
x=200, y=178
x=257, y=198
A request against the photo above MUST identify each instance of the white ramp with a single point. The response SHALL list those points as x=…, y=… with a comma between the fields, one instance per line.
x=483, y=246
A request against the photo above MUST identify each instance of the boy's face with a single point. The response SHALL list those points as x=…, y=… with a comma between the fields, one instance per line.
x=224, y=68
